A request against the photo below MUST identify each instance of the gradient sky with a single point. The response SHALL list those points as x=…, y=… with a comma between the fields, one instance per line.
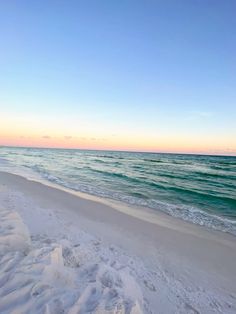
x=126, y=75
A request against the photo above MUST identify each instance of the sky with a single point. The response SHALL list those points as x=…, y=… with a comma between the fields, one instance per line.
x=120, y=75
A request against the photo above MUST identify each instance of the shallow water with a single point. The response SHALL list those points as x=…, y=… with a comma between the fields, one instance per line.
x=200, y=189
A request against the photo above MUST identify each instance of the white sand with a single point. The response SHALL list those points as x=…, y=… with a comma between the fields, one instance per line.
x=60, y=253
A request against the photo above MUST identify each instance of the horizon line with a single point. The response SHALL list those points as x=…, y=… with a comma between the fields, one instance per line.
x=124, y=151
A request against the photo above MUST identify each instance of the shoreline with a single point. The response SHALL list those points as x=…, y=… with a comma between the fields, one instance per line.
x=196, y=258
x=140, y=211
x=145, y=214
x=198, y=190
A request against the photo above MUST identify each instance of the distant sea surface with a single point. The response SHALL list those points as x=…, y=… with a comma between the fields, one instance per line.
x=199, y=189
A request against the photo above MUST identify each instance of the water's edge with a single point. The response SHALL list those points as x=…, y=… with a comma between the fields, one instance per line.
x=197, y=189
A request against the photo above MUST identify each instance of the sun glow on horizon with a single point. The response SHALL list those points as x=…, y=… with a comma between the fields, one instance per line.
x=31, y=131
x=119, y=76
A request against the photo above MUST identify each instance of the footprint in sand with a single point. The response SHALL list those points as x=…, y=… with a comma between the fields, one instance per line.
x=70, y=259
x=149, y=285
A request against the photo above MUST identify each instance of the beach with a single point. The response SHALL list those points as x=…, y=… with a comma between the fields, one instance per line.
x=72, y=252
x=117, y=157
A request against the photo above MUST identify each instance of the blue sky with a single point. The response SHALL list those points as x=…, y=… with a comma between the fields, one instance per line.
x=160, y=69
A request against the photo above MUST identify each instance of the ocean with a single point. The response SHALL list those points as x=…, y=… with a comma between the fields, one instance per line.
x=199, y=189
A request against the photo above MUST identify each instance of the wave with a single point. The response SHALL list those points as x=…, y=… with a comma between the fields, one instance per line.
x=3, y=160
x=111, y=157
x=192, y=191
x=130, y=179
x=117, y=175
x=154, y=160
x=216, y=167
x=202, y=218
x=187, y=213
x=215, y=175
x=193, y=194
x=207, y=195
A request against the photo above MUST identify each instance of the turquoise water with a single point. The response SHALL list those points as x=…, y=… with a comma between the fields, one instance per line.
x=200, y=189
